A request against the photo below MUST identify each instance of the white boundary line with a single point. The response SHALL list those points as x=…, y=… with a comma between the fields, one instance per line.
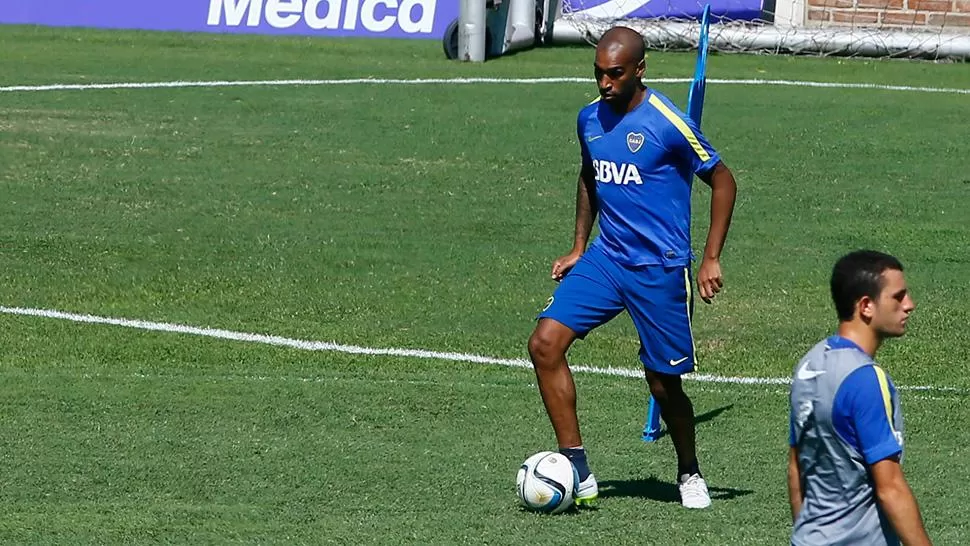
x=308, y=345
x=460, y=81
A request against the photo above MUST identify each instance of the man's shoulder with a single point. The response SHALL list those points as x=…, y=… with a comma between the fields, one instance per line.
x=843, y=351
x=862, y=380
x=816, y=351
x=654, y=95
x=660, y=104
x=832, y=356
x=589, y=111
x=665, y=118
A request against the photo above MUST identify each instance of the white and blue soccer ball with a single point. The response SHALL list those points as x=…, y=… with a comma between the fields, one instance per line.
x=546, y=482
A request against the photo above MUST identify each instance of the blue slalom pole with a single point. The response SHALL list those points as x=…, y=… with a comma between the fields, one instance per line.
x=695, y=107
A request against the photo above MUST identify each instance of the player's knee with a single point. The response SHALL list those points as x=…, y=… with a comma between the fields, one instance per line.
x=666, y=388
x=659, y=392
x=545, y=348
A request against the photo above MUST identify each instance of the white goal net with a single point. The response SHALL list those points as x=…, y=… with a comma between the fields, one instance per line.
x=934, y=29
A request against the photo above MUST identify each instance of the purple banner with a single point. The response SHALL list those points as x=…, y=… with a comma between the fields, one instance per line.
x=733, y=10
x=373, y=18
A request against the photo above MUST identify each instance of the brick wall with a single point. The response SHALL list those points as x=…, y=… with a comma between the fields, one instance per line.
x=889, y=13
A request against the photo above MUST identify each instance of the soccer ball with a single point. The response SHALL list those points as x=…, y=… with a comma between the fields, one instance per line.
x=547, y=482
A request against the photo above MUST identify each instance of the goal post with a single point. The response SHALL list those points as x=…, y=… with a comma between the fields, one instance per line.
x=934, y=29
x=929, y=29
x=489, y=28
x=471, y=30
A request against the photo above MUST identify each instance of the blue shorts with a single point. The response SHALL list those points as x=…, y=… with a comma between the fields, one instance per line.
x=658, y=298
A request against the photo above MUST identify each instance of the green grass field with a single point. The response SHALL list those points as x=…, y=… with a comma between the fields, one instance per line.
x=414, y=216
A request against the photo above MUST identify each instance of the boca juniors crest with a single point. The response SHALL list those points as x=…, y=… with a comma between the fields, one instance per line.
x=634, y=141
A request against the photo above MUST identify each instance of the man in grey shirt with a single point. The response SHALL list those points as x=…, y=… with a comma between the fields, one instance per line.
x=845, y=483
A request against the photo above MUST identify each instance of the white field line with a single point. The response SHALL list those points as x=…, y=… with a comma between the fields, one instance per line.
x=769, y=389
x=329, y=380
x=462, y=81
x=308, y=345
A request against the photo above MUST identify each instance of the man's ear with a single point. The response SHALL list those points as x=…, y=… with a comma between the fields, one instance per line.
x=866, y=308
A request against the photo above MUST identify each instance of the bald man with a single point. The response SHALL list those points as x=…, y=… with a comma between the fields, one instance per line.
x=639, y=156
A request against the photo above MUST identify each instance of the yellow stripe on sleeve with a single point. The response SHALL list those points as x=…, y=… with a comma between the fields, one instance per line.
x=681, y=126
x=886, y=398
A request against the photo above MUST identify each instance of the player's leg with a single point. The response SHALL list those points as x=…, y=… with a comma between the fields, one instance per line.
x=585, y=299
x=660, y=303
x=677, y=412
x=547, y=348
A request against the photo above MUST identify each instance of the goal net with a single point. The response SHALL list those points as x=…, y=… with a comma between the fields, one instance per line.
x=933, y=29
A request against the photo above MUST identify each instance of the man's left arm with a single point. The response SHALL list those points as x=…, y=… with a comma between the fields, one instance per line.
x=724, y=191
x=690, y=146
x=863, y=409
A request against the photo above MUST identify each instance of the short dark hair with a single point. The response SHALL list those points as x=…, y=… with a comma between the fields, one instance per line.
x=859, y=274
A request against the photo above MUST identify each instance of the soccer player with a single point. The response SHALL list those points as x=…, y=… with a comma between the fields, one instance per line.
x=844, y=478
x=639, y=156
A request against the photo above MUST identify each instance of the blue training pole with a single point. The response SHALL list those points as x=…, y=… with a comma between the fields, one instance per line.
x=695, y=107
x=695, y=97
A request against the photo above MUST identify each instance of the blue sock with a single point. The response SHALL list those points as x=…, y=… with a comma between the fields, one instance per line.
x=577, y=456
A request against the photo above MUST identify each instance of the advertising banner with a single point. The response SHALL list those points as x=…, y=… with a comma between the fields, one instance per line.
x=732, y=10
x=372, y=18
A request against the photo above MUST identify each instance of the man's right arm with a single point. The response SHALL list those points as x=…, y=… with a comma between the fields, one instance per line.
x=898, y=502
x=585, y=210
x=585, y=215
x=585, y=192
x=794, y=483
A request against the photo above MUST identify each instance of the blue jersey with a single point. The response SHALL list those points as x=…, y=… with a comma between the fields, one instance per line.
x=643, y=163
x=845, y=416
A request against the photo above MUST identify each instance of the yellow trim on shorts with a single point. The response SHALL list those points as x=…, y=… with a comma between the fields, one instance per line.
x=690, y=300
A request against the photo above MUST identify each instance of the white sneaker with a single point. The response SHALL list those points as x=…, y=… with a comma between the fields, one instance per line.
x=693, y=491
x=587, y=491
